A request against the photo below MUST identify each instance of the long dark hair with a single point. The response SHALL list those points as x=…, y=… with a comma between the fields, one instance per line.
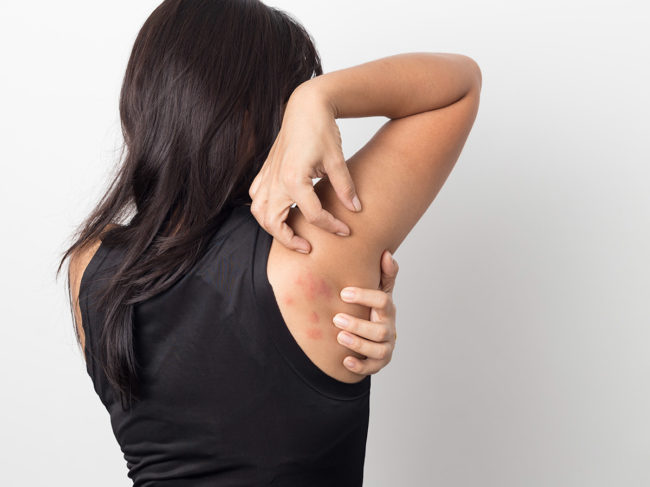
x=201, y=104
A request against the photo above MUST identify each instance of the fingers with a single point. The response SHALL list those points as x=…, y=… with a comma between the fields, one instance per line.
x=310, y=206
x=274, y=223
x=289, y=239
x=389, y=270
x=271, y=208
x=373, y=298
x=374, y=339
x=369, y=348
x=363, y=366
x=339, y=176
x=375, y=331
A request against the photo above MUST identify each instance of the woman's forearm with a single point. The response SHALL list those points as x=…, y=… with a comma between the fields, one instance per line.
x=397, y=86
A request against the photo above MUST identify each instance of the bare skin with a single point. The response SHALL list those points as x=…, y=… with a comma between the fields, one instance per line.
x=376, y=338
x=307, y=299
x=324, y=242
x=432, y=100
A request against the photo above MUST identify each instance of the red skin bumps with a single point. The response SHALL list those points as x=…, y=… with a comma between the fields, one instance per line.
x=315, y=287
x=314, y=333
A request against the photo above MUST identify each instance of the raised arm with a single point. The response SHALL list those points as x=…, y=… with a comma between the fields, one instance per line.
x=432, y=100
x=396, y=86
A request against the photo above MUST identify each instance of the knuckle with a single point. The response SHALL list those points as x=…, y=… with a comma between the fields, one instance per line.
x=311, y=217
x=383, y=334
x=334, y=162
x=292, y=178
x=384, y=300
x=267, y=221
x=382, y=353
x=256, y=208
x=337, y=158
x=388, y=355
x=348, y=190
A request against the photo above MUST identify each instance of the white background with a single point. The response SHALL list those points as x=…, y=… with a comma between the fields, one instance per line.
x=524, y=292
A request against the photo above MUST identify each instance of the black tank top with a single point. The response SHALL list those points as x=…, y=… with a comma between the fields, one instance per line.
x=228, y=396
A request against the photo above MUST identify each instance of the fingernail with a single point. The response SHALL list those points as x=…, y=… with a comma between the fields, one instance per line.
x=344, y=338
x=356, y=203
x=343, y=234
x=347, y=293
x=349, y=363
x=303, y=251
x=340, y=321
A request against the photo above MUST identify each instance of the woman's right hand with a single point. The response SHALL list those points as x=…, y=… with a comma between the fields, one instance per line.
x=308, y=146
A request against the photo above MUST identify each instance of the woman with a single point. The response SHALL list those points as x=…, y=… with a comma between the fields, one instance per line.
x=212, y=344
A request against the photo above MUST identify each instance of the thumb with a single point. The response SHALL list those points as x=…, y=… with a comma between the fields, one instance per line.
x=389, y=270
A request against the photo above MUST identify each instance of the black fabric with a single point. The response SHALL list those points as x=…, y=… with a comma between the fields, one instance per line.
x=228, y=396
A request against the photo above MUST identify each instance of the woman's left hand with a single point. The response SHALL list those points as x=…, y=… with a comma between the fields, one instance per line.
x=375, y=338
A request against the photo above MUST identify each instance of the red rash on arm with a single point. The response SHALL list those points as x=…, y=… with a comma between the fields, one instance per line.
x=314, y=333
x=314, y=286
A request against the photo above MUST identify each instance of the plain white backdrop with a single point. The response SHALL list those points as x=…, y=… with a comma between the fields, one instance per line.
x=524, y=292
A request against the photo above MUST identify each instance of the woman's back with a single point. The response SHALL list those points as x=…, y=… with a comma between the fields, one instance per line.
x=227, y=393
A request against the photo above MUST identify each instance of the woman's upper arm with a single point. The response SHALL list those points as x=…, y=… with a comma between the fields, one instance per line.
x=397, y=175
